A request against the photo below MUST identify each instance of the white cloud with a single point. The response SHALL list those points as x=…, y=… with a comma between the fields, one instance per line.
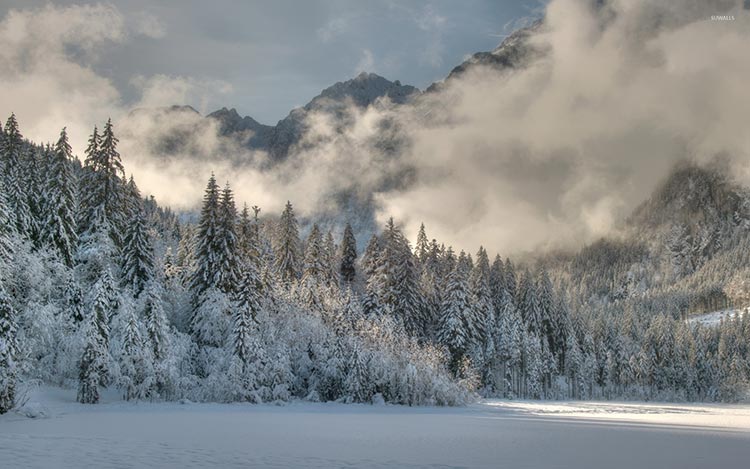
x=333, y=29
x=366, y=62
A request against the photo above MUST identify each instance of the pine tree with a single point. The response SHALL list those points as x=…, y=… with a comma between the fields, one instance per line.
x=546, y=302
x=508, y=342
x=137, y=254
x=358, y=383
x=229, y=258
x=103, y=307
x=528, y=304
x=73, y=300
x=157, y=326
x=348, y=255
x=481, y=298
x=454, y=329
x=509, y=274
x=249, y=299
x=245, y=234
x=497, y=282
x=13, y=172
x=102, y=186
x=483, y=315
x=88, y=377
x=7, y=230
x=287, y=246
x=33, y=186
x=314, y=267
x=331, y=274
x=207, y=247
x=135, y=379
x=132, y=201
x=422, y=247
x=396, y=283
x=94, y=365
x=8, y=353
x=59, y=227
x=370, y=262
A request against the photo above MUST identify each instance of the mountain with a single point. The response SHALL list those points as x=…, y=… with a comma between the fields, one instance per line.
x=362, y=91
x=514, y=52
x=231, y=123
x=682, y=251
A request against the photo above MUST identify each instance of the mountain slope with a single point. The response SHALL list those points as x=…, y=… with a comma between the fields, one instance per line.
x=362, y=91
x=684, y=250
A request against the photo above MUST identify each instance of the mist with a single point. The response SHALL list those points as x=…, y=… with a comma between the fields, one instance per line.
x=552, y=155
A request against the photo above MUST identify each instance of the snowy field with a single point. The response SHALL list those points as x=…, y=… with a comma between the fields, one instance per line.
x=714, y=318
x=487, y=434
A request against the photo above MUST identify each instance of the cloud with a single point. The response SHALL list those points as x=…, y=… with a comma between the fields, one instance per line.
x=148, y=25
x=162, y=90
x=555, y=154
x=366, y=62
x=550, y=155
x=333, y=29
x=45, y=67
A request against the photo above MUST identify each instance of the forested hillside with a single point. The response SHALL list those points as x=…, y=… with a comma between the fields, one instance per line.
x=102, y=287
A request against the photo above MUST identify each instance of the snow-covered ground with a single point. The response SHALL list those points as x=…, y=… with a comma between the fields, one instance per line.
x=714, y=318
x=488, y=434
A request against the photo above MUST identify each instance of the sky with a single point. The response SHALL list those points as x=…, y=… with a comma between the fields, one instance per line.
x=556, y=153
x=266, y=57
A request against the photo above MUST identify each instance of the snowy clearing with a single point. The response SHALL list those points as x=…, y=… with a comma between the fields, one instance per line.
x=488, y=434
x=714, y=318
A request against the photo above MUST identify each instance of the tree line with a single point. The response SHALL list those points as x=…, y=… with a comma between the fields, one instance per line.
x=102, y=287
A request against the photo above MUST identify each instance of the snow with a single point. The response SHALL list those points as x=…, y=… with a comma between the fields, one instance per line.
x=714, y=318
x=487, y=434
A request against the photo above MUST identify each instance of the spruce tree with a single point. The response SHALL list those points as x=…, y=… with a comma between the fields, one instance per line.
x=483, y=315
x=7, y=230
x=331, y=274
x=528, y=304
x=314, y=267
x=73, y=300
x=8, y=353
x=134, y=379
x=157, y=326
x=454, y=327
x=94, y=364
x=348, y=255
x=229, y=258
x=207, y=245
x=287, y=246
x=33, y=187
x=137, y=254
x=370, y=261
x=396, y=283
x=546, y=302
x=59, y=227
x=509, y=275
x=103, y=186
x=422, y=248
x=13, y=172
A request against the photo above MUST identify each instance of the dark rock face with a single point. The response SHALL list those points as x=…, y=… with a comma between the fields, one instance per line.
x=336, y=100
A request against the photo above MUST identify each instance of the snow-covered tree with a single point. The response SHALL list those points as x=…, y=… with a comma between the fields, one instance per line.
x=348, y=255
x=59, y=202
x=7, y=230
x=8, y=353
x=287, y=246
x=314, y=267
x=102, y=185
x=454, y=328
x=94, y=364
x=137, y=254
x=136, y=376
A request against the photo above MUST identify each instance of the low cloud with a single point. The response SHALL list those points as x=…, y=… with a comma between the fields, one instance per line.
x=551, y=155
